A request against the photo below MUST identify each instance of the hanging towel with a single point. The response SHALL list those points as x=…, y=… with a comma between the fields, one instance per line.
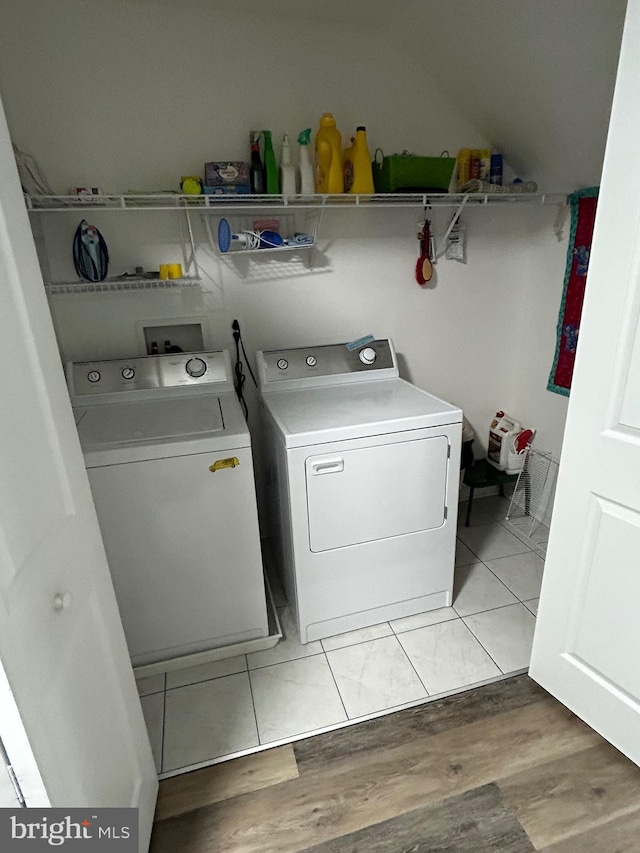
x=583, y=205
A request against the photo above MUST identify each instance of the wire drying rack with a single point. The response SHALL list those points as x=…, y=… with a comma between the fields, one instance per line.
x=531, y=504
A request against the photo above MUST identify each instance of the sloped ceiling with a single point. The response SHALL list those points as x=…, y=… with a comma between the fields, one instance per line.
x=535, y=77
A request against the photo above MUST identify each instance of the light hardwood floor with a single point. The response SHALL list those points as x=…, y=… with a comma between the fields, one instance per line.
x=503, y=768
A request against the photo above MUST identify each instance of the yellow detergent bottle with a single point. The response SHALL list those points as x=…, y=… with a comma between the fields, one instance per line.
x=328, y=157
x=464, y=167
x=361, y=169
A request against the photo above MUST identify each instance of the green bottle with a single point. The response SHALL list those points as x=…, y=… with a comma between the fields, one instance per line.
x=271, y=183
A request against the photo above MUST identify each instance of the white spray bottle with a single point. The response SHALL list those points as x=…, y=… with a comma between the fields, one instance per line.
x=306, y=175
x=287, y=169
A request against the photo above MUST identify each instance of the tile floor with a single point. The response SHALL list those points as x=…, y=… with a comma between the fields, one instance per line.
x=215, y=711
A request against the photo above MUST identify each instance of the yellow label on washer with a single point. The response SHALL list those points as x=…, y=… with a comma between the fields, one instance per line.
x=231, y=462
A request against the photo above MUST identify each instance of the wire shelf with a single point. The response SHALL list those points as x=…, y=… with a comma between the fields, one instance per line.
x=120, y=285
x=531, y=505
x=240, y=250
x=285, y=225
x=219, y=203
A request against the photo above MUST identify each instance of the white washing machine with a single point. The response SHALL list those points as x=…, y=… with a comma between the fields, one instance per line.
x=168, y=455
x=364, y=469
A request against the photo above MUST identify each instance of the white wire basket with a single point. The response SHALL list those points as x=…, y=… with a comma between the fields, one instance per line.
x=531, y=504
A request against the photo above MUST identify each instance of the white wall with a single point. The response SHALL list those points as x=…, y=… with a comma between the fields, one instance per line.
x=543, y=264
x=535, y=78
x=133, y=95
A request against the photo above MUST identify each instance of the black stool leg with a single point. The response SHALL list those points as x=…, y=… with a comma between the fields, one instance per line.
x=471, y=491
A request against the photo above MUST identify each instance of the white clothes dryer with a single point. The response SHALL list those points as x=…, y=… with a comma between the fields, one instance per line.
x=168, y=454
x=365, y=473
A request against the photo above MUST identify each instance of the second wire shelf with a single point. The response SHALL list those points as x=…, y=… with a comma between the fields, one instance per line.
x=120, y=285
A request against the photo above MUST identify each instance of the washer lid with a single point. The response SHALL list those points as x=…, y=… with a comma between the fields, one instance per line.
x=152, y=429
x=334, y=413
x=150, y=420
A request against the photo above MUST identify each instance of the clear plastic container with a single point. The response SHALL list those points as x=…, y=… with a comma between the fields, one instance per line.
x=502, y=431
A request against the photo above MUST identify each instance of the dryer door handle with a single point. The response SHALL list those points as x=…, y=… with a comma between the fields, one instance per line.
x=328, y=466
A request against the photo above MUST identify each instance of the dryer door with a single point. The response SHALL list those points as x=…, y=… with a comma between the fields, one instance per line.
x=376, y=491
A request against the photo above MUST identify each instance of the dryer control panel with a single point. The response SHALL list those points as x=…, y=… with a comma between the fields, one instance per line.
x=332, y=364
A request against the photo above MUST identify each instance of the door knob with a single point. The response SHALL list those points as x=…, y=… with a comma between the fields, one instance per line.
x=62, y=601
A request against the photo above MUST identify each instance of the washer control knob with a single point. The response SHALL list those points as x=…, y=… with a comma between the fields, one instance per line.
x=128, y=373
x=93, y=376
x=311, y=360
x=196, y=367
x=282, y=363
x=367, y=355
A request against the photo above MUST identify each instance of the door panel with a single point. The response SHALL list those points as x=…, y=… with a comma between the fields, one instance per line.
x=70, y=717
x=376, y=492
x=90, y=718
x=610, y=558
x=588, y=631
x=35, y=458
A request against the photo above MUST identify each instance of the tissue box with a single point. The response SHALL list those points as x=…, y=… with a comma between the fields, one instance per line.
x=227, y=174
x=228, y=189
x=406, y=173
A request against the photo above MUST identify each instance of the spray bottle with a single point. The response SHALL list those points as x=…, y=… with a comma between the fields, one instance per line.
x=271, y=184
x=305, y=170
x=287, y=169
x=256, y=170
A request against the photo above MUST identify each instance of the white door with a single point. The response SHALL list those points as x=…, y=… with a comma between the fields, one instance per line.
x=70, y=717
x=587, y=643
